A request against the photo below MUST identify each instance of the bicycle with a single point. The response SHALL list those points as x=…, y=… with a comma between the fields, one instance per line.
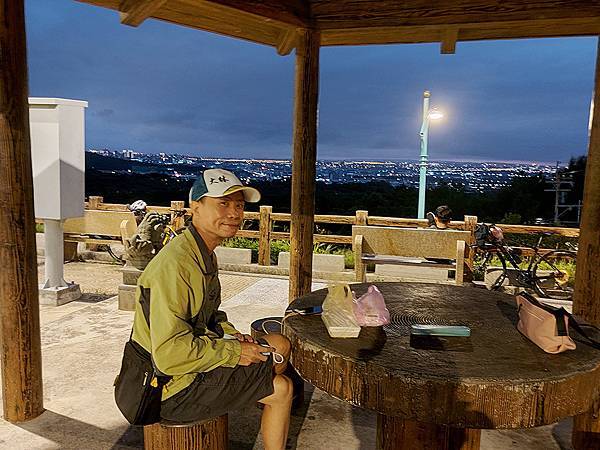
x=172, y=226
x=550, y=274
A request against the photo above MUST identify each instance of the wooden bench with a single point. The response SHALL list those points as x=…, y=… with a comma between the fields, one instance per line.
x=100, y=227
x=390, y=245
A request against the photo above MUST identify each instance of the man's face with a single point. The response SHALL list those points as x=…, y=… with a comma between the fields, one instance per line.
x=218, y=218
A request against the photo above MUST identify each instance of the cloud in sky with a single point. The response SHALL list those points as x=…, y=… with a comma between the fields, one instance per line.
x=161, y=87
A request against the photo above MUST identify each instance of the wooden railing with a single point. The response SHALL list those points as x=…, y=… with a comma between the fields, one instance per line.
x=267, y=218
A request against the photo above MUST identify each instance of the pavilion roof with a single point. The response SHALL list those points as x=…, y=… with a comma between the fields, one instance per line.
x=360, y=22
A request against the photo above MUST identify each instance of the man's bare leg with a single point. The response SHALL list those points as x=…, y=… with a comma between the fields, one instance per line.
x=275, y=420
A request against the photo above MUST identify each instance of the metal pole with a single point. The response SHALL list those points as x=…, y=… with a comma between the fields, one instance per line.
x=424, y=157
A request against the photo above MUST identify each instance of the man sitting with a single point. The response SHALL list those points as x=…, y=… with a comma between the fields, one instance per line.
x=214, y=367
x=440, y=218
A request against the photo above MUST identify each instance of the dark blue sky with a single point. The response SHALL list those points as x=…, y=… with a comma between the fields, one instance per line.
x=162, y=87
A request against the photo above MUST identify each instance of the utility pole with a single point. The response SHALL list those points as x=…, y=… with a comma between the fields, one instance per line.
x=561, y=184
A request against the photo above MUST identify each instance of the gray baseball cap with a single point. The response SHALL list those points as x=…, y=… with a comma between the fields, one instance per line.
x=219, y=183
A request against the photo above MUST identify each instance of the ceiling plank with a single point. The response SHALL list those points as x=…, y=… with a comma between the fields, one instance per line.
x=468, y=32
x=341, y=14
x=449, y=38
x=287, y=42
x=134, y=12
x=290, y=12
x=221, y=20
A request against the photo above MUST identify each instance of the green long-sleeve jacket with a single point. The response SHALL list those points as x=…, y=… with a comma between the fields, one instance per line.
x=180, y=284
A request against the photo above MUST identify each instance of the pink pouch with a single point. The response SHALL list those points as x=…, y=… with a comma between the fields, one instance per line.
x=370, y=310
x=545, y=325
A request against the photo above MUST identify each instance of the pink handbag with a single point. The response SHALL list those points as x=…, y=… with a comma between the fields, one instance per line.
x=370, y=309
x=547, y=326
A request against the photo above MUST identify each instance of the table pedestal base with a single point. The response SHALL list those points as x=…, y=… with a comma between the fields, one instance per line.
x=394, y=433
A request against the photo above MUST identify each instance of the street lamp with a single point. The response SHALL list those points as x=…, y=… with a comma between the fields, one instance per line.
x=428, y=114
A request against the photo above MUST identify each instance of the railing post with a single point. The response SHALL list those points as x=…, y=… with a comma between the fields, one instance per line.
x=177, y=205
x=470, y=225
x=362, y=217
x=95, y=201
x=264, y=237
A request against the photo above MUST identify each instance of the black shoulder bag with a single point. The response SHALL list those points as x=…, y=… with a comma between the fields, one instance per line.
x=138, y=387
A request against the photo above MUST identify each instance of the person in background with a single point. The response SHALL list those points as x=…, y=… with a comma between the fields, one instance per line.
x=440, y=218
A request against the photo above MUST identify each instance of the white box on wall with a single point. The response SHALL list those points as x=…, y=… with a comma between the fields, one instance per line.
x=57, y=128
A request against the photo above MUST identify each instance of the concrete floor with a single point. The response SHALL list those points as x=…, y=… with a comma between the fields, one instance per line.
x=81, y=348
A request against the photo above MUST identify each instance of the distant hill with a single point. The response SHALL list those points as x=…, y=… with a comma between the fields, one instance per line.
x=100, y=162
x=94, y=161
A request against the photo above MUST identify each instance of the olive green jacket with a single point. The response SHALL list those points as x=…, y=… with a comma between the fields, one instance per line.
x=185, y=324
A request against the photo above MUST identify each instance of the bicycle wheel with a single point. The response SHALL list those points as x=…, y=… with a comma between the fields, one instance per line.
x=491, y=268
x=554, y=274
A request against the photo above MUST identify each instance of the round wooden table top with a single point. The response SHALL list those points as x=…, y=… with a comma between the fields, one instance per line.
x=496, y=378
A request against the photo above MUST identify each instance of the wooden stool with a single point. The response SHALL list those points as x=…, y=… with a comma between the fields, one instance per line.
x=205, y=435
x=271, y=325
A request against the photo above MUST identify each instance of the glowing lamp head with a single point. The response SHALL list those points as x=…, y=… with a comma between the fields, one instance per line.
x=435, y=114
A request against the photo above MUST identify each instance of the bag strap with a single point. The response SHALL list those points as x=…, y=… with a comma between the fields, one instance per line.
x=574, y=324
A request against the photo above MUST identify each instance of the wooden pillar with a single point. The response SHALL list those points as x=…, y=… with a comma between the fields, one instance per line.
x=394, y=433
x=264, y=236
x=586, y=298
x=20, y=346
x=304, y=161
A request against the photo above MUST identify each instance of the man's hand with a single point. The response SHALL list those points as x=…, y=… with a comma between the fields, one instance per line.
x=252, y=353
x=244, y=337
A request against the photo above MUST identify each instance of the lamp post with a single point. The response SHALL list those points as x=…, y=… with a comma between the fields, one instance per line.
x=428, y=114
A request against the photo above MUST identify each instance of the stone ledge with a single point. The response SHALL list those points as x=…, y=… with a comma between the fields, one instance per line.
x=321, y=262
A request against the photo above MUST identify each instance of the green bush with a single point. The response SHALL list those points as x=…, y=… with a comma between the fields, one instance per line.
x=39, y=227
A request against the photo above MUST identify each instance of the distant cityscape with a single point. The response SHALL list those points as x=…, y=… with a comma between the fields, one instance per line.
x=473, y=176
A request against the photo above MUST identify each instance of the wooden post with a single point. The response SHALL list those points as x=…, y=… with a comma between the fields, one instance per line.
x=470, y=225
x=20, y=345
x=304, y=161
x=94, y=201
x=362, y=217
x=177, y=205
x=264, y=237
x=586, y=298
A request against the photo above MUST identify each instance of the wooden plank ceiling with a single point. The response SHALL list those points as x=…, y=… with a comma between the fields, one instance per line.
x=360, y=22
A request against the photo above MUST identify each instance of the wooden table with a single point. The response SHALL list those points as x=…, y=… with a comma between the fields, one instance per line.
x=441, y=398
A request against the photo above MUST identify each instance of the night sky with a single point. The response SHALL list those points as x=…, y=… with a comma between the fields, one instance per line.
x=166, y=88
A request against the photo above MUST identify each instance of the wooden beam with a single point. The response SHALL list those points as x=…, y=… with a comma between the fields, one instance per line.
x=468, y=32
x=586, y=298
x=304, y=162
x=290, y=12
x=287, y=42
x=20, y=345
x=134, y=12
x=342, y=14
x=449, y=38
